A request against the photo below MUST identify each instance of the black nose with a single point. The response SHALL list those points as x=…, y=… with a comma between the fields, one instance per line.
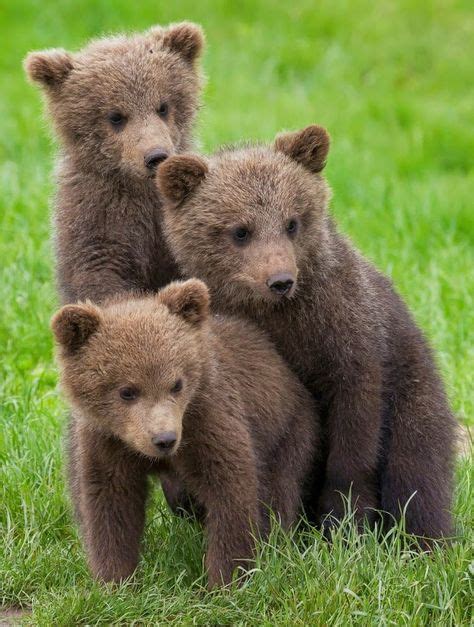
x=155, y=157
x=164, y=441
x=281, y=284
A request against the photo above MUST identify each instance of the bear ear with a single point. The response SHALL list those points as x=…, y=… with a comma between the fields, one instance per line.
x=185, y=38
x=74, y=324
x=309, y=146
x=50, y=68
x=188, y=299
x=178, y=176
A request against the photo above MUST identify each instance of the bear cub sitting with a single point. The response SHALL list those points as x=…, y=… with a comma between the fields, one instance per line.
x=253, y=223
x=169, y=387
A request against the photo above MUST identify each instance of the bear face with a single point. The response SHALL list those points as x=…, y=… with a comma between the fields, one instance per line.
x=246, y=220
x=132, y=366
x=123, y=104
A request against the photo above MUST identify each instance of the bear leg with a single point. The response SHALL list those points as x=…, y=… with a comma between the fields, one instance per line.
x=109, y=490
x=418, y=474
x=289, y=469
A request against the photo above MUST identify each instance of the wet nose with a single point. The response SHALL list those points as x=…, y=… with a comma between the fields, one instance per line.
x=164, y=441
x=154, y=157
x=281, y=284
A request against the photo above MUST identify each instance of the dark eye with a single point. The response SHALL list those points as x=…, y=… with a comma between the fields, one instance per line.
x=117, y=119
x=163, y=110
x=177, y=387
x=292, y=226
x=128, y=393
x=241, y=235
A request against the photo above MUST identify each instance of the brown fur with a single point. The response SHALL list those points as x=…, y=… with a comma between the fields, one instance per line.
x=108, y=232
x=343, y=329
x=244, y=425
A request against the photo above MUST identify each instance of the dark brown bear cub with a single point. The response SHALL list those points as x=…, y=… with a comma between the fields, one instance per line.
x=120, y=106
x=168, y=387
x=253, y=223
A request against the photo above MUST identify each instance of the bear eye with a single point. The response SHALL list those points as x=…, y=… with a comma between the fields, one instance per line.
x=128, y=393
x=241, y=235
x=116, y=119
x=177, y=386
x=292, y=226
x=163, y=110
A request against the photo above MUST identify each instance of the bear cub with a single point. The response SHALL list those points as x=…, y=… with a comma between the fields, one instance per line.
x=253, y=223
x=170, y=388
x=120, y=107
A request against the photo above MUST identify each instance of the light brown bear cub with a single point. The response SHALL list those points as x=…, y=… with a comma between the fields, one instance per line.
x=120, y=107
x=254, y=224
x=168, y=387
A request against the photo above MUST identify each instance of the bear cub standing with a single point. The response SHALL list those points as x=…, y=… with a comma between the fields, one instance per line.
x=168, y=387
x=253, y=224
x=120, y=107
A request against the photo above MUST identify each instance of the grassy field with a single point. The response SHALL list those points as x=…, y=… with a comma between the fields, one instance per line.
x=392, y=81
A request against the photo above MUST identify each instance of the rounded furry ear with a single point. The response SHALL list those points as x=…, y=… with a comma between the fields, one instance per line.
x=180, y=175
x=73, y=325
x=185, y=38
x=50, y=68
x=309, y=146
x=188, y=299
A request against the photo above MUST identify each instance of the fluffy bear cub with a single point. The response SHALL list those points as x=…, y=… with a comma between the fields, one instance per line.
x=120, y=107
x=254, y=224
x=170, y=388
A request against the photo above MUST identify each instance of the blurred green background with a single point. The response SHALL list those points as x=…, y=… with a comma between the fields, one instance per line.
x=393, y=83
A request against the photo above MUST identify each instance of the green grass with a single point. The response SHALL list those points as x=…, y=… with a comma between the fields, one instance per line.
x=392, y=81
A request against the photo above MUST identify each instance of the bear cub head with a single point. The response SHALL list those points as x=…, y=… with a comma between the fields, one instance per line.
x=124, y=103
x=132, y=366
x=250, y=221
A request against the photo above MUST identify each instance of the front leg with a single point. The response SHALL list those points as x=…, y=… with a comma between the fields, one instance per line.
x=231, y=525
x=109, y=489
x=354, y=437
x=290, y=466
x=221, y=472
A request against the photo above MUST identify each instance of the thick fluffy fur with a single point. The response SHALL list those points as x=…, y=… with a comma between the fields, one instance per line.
x=244, y=426
x=108, y=231
x=256, y=215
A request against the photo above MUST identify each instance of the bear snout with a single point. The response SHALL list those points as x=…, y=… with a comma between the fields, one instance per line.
x=154, y=157
x=164, y=441
x=281, y=284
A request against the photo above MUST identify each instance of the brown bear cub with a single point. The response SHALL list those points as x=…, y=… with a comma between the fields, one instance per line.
x=253, y=224
x=168, y=387
x=120, y=107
